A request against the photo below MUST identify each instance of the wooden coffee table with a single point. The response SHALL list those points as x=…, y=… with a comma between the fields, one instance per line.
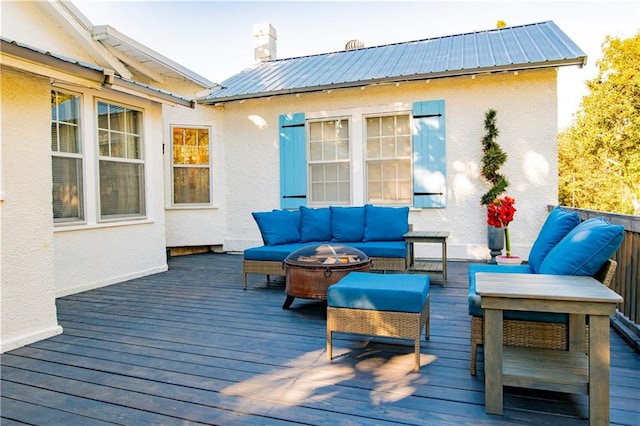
x=570, y=371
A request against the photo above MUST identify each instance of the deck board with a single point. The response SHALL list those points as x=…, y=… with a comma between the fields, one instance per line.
x=189, y=346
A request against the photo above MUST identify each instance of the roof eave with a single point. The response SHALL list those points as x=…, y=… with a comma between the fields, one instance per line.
x=91, y=74
x=151, y=93
x=579, y=61
x=95, y=77
x=105, y=32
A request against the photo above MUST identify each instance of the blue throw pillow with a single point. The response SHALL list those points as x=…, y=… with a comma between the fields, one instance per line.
x=347, y=224
x=277, y=227
x=385, y=223
x=295, y=214
x=315, y=224
x=558, y=224
x=584, y=249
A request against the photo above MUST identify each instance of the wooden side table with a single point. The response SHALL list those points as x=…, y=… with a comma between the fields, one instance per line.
x=571, y=371
x=427, y=237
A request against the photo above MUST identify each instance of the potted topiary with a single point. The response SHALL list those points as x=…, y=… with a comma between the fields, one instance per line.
x=493, y=157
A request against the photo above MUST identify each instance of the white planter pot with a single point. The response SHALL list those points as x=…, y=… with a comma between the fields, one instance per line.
x=513, y=260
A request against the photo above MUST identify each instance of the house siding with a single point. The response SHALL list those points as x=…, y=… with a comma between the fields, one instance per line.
x=102, y=253
x=39, y=260
x=527, y=119
x=200, y=225
x=27, y=283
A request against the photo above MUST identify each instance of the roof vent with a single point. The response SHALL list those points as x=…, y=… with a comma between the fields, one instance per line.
x=354, y=44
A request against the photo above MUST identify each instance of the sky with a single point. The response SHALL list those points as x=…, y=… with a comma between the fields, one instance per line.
x=214, y=38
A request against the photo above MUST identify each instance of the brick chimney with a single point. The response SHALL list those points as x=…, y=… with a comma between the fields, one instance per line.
x=264, y=41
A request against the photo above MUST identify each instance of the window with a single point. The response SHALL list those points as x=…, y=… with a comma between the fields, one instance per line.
x=121, y=162
x=66, y=158
x=191, y=165
x=388, y=160
x=329, y=165
x=373, y=156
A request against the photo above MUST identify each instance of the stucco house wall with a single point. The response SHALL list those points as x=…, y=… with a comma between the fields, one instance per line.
x=27, y=285
x=527, y=119
x=96, y=253
x=41, y=261
x=196, y=225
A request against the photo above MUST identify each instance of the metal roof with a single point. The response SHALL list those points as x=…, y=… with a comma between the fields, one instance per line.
x=537, y=45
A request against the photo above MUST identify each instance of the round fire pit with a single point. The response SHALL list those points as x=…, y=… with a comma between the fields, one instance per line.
x=310, y=270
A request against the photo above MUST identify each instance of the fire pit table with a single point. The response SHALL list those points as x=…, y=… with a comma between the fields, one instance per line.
x=310, y=270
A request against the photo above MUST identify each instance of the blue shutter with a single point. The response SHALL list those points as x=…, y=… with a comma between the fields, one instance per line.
x=293, y=161
x=429, y=156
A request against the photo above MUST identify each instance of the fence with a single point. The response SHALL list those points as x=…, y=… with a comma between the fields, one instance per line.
x=625, y=282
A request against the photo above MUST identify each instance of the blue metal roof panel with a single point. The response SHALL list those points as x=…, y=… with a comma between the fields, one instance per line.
x=527, y=46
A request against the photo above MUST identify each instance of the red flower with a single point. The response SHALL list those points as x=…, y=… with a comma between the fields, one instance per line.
x=501, y=212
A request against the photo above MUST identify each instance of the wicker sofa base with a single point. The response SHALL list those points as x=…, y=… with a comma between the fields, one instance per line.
x=268, y=268
x=402, y=325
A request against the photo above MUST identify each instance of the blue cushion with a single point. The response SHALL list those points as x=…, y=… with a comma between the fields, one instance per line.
x=474, y=298
x=558, y=224
x=277, y=227
x=385, y=223
x=272, y=253
x=380, y=292
x=381, y=248
x=584, y=249
x=315, y=224
x=295, y=214
x=347, y=223
x=475, y=308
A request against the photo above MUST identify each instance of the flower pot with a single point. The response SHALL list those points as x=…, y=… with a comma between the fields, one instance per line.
x=495, y=242
x=513, y=260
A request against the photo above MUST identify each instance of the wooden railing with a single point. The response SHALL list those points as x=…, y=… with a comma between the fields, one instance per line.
x=625, y=282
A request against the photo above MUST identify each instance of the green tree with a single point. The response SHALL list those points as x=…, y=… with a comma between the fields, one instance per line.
x=492, y=159
x=599, y=154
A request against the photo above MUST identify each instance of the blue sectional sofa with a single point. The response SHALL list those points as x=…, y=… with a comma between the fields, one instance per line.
x=376, y=231
x=564, y=246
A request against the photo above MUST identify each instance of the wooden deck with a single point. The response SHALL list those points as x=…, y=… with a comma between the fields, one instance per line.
x=188, y=346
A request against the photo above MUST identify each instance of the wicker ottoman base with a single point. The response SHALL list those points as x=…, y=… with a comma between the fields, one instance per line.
x=403, y=325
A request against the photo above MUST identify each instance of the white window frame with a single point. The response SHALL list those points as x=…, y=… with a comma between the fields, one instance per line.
x=357, y=141
x=367, y=160
x=348, y=161
x=173, y=166
x=141, y=161
x=78, y=156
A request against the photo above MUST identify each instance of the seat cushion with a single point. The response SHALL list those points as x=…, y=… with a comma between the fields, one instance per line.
x=385, y=223
x=558, y=224
x=347, y=223
x=272, y=253
x=381, y=248
x=584, y=249
x=474, y=298
x=381, y=292
x=315, y=224
x=277, y=227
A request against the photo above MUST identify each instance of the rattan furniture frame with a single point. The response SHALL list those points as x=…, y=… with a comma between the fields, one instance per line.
x=268, y=268
x=402, y=325
x=534, y=334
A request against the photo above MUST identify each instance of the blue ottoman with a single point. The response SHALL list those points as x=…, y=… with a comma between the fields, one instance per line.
x=389, y=305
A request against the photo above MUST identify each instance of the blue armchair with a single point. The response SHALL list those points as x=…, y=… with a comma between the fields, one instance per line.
x=564, y=246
